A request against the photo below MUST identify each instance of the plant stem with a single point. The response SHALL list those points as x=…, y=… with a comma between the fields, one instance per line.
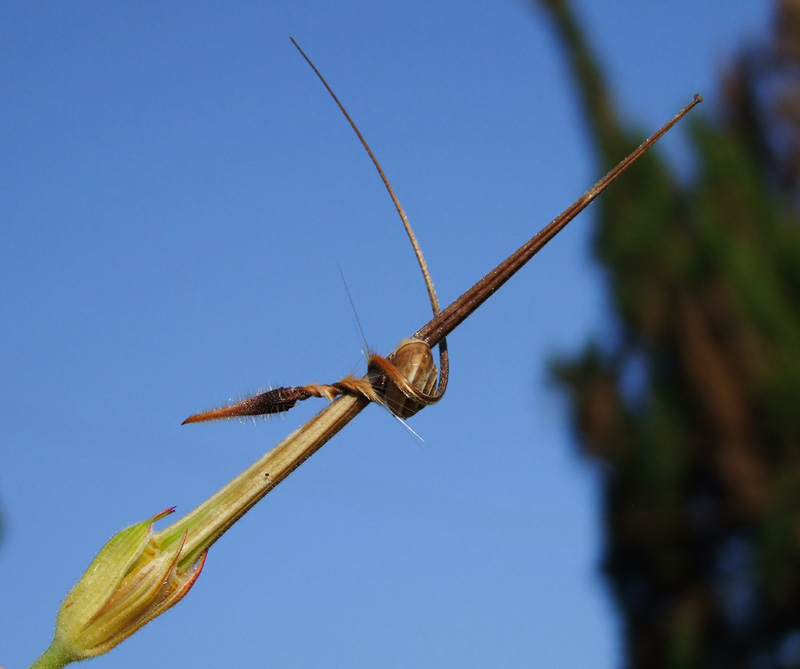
x=206, y=523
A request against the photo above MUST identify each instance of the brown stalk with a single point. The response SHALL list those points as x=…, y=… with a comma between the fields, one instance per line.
x=386, y=378
x=210, y=520
x=248, y=488
x=444, y=362
x=443, y=324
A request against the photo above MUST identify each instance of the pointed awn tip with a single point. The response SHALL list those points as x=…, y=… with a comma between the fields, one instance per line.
x=444, y=322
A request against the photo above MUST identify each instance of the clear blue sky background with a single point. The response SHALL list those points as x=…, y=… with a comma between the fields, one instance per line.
x=176, y=190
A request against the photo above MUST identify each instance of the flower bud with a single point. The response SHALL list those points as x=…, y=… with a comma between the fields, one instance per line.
x=133, y=579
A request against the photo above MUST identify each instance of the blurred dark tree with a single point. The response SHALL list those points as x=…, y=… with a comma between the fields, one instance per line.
x=693, y=411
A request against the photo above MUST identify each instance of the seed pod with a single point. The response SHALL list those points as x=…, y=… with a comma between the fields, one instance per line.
x=414, y=360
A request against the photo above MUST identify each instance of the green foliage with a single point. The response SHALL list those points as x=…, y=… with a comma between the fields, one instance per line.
x=702, y=492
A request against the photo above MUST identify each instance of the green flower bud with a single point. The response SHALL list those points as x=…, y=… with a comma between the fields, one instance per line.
x=133, y=579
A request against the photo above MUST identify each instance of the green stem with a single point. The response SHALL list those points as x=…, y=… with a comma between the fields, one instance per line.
x=55, y=657
x=209, y=521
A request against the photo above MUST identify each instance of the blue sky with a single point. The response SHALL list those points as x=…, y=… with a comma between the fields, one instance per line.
x=178, y=192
